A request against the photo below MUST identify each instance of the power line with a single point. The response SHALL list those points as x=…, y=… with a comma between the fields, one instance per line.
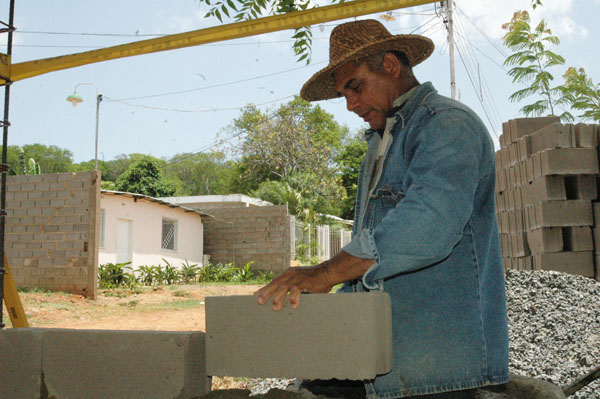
x=221, y=84
x=502, y=53
x=193, y=110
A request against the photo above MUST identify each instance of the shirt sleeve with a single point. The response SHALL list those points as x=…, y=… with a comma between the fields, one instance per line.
x=444, y=159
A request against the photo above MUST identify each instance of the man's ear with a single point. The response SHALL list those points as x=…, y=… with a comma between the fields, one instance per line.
x=392, y=65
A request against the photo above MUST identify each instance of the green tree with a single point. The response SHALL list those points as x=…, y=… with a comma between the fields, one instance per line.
x=531, y=62
x=296, y=144
x=51, y=159
x=580, y=93
x=350, y=161
x=145, y=177
x=200, y=174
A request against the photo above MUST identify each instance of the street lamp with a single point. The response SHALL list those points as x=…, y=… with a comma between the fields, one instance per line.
x=76, y=99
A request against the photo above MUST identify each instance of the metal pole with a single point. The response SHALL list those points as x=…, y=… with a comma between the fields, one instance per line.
x=98, y=100
x=4, y=165
x=451, y=48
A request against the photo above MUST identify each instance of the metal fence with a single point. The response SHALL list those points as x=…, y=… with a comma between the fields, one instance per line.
x=317, y=242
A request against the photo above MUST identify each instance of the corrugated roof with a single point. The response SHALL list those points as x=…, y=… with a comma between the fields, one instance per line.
x=155, y=200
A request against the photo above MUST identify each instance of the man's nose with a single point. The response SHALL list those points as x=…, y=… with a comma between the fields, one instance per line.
x=351, y=102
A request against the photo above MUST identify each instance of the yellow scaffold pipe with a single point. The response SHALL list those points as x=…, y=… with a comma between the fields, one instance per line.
x=28, y=69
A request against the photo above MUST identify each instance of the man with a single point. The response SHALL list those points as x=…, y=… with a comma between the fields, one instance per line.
x=425, y=230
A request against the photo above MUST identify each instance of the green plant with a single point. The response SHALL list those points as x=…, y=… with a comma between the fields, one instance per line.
x=171, y=274
x=148, y=274
x=531, y=61
x=189, y=271
x=113, y=275
x=244, y=274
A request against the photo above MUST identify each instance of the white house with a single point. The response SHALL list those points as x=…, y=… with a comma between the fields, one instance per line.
x=144, y=230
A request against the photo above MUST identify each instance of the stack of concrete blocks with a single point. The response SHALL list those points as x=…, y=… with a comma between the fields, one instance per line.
x=52, y=229
x=546, y=188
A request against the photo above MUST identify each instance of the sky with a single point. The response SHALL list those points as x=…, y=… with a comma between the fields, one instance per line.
x=145, y=96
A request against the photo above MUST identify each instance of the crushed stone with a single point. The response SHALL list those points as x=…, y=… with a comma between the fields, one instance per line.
x=554, y=330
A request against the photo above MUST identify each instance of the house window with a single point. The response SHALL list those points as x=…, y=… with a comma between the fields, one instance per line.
x=102, y=227
x=169, y=234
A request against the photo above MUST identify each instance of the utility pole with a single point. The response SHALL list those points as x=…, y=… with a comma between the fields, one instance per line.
x=450, y=27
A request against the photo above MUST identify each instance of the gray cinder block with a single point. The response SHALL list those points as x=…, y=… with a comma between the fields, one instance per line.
x=20, y=363
x=98, y=364
x=343, y=336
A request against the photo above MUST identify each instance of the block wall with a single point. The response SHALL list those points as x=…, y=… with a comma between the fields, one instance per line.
x=260, y=234
x=546, y=196
x=52, y=229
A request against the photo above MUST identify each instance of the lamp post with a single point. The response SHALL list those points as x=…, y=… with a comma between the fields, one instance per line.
x=76, y=99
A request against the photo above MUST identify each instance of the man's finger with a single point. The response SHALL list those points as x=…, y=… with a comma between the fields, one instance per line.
x=295, y=296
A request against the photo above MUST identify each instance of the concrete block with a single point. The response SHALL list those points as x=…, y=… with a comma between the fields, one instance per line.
x=563, y=214
x=585, y=136
x=503, y=153
x=579, y=263
x=552, y=136
x=537, y=165
x=524, y=148
x=581, y=187
x=544, y=188
x=521, y=127
x=578, y=239
x=569, y=161
x=99, y=364
x=596, y=212
x=20, y=363
x=246, y=339
x=498, y=160
x=513, y=154
x=596, y=238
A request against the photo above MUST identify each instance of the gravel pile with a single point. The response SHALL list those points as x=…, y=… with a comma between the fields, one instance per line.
x=554, y=324
x=554, y=327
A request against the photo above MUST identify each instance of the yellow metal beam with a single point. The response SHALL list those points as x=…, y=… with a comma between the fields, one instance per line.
x=24, y=70
x=12, y=300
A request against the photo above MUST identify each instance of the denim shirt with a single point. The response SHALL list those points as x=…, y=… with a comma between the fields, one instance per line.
x=430, y=227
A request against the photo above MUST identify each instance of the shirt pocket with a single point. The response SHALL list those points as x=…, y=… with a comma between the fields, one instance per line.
x=383, y=200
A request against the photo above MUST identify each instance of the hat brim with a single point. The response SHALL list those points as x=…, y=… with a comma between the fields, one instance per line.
x=321, y=85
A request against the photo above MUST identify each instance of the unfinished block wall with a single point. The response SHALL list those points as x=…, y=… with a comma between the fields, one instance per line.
x=546, y=193
x=243, y=234
x=52, y=228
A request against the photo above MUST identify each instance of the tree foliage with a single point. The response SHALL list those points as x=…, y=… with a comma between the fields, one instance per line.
x=200, y=174
x=244, y=10
x=145, y=177
x=350, y=161
x=580, y=93
x=531, y=62
x=296, y=144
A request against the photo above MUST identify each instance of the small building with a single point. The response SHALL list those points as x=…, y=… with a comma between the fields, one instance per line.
x=144, y=230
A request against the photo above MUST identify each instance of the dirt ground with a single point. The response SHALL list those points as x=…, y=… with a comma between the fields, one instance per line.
x=167, y=308
x=170, y=308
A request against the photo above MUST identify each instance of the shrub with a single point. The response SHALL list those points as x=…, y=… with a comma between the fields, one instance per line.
x=114, y=275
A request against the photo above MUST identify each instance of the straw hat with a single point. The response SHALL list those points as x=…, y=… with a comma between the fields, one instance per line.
x=355, y=40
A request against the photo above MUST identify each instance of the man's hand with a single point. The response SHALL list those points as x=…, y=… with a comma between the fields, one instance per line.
x=316, y=279
x=296, y=280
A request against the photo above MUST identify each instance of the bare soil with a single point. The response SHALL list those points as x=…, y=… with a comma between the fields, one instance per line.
x=168, y=308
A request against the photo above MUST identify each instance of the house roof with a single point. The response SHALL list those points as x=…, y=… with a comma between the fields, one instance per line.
x=152, y=199
x=231, y=198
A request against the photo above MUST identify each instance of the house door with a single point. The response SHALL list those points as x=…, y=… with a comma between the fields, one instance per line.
x=124, y=239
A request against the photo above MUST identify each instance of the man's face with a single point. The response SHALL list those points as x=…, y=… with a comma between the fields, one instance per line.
x=368, y=94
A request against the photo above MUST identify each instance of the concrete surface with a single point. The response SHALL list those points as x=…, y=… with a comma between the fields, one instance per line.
x=20, y=363
x=102, y=364
x=343, y=336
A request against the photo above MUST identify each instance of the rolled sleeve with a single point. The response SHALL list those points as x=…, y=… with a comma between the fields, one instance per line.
x=363, y=246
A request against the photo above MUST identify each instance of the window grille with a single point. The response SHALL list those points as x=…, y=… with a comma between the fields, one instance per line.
x=169, y=234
